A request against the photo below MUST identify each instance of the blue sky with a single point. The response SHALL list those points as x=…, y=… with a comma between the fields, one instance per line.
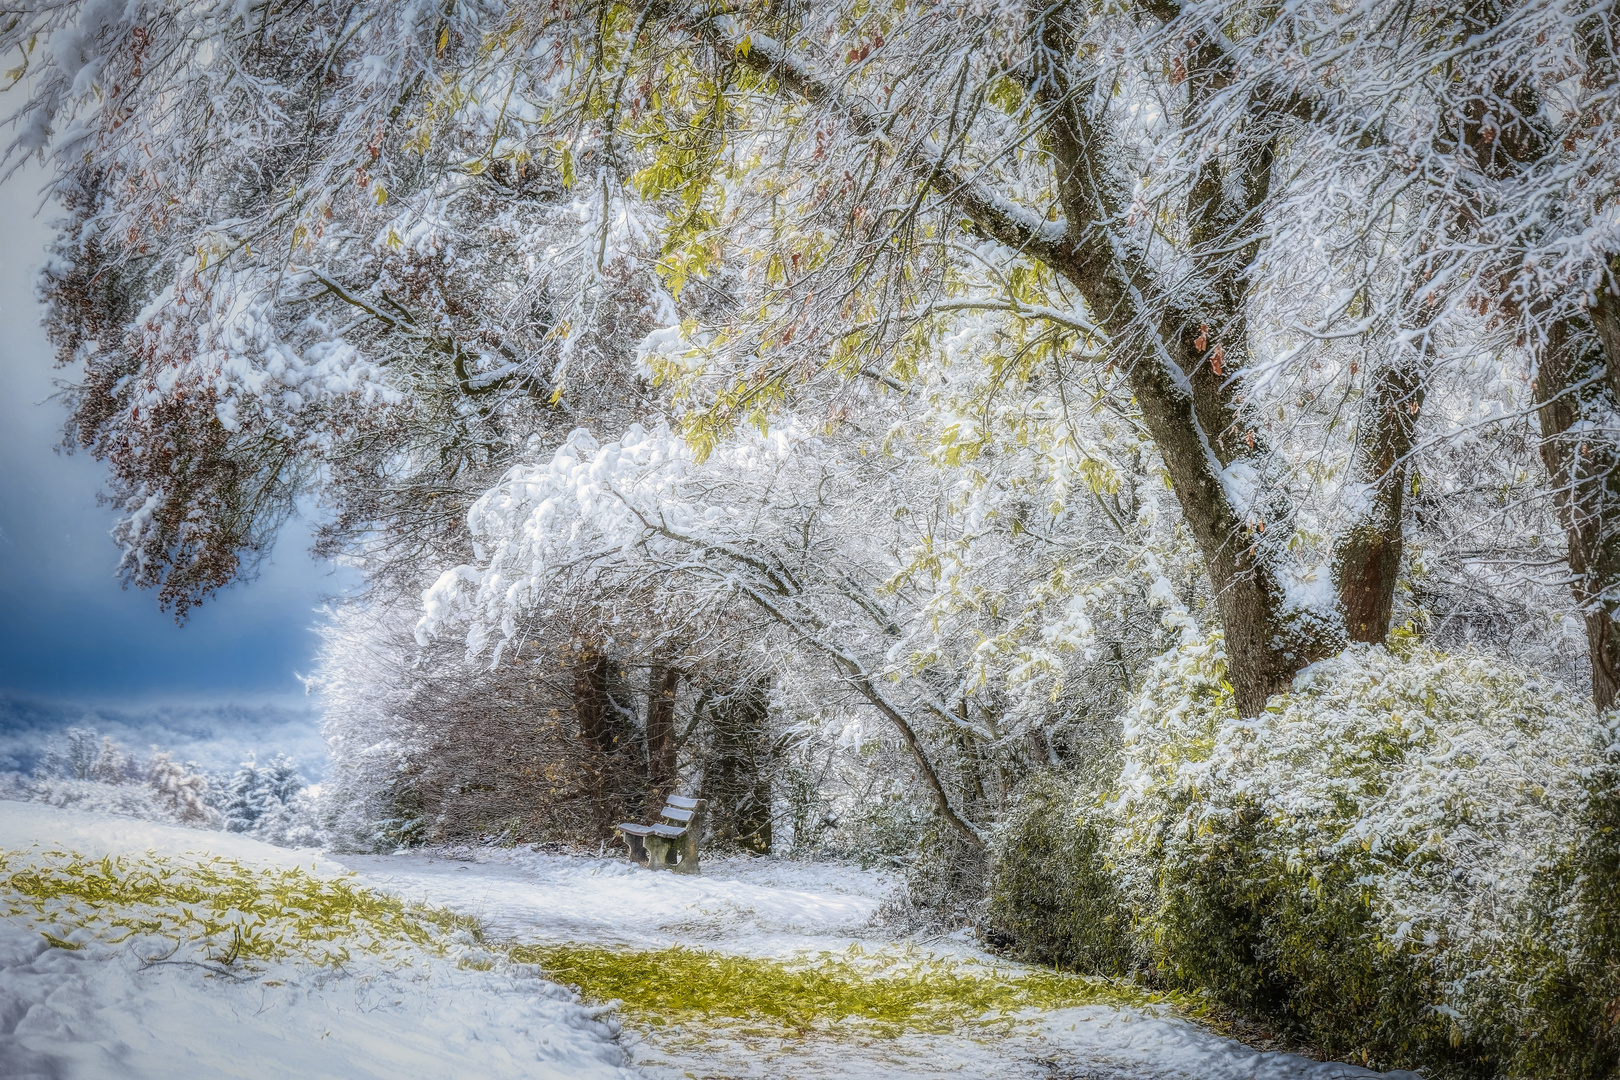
x=68, y=631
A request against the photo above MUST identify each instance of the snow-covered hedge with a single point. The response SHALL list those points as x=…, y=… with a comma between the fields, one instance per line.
x=1409, y=855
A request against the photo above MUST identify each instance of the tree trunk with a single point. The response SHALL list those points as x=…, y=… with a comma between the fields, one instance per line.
x=1606, y=321
x=1174, y=342
x=1584, y=465
x=593, y=704
x=1585, y=468
x=612, y=777
x=1367, y=556
x=1182, y=363
x=662, y=682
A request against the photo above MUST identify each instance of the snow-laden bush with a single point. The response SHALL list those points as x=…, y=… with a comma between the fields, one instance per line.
x=126, y=800
x=1401, y=857
x=1053, y=894
x=88, y=771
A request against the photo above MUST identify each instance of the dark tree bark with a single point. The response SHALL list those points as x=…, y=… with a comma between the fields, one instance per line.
x=1578, y=379
x=662, y=682
x=1575, y=380
x=1367, y=557
x=614, y=775
x=1606, y=321
x=593, y=703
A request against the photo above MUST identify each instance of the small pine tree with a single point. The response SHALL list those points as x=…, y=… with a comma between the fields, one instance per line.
x=281, y=779
x=245, y=804
x=112, y=764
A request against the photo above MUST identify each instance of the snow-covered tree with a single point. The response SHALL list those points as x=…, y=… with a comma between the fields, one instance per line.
x=245, y=801
x=74, y=757
x=936, y=363
x=416, y=250
x=282, y=780
x=184, y=788
x=257, y=793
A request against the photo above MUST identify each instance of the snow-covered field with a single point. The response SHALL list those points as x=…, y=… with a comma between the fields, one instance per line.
x=105, y=1009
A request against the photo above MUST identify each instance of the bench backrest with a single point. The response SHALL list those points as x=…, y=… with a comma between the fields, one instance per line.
x=680, y=808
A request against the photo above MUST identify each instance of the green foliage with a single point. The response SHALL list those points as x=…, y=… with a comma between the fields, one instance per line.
x=891, y=992
x=1409, y=860
x=1305, y=954
x=1052, y=894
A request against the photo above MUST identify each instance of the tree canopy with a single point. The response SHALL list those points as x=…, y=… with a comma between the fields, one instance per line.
x=943, y=363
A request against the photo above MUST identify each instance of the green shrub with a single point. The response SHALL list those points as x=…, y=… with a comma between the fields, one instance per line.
x=1052, y=895
x=1409, y=860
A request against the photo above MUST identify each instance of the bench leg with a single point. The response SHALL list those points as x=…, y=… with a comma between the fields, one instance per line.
x=638, y=850
x=658, y=852
x=689, y=840
x=687, y=846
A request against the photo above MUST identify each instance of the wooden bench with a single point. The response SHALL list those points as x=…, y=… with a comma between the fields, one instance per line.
x=670, y=844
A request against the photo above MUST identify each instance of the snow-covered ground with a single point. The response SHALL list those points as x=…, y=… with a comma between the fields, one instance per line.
x=106, y=1010
x=102, y=1010
x=776, y=908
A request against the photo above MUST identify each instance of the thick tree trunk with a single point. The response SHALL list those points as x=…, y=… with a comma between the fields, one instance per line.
x=1574, y=383
x=662, y=682
x=1180, y=360
x=1367, y=556
x=1181, y=363
x=1606, y=321
x=613, y=777
x=1585, y=466
x=593, y=704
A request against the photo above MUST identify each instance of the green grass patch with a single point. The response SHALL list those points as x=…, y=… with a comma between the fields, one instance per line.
x=243, y=912
x=891, y=992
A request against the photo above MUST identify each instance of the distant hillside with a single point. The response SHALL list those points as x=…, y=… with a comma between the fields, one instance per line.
x=216, y=735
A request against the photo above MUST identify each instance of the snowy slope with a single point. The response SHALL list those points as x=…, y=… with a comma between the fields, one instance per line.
x=101, y=1012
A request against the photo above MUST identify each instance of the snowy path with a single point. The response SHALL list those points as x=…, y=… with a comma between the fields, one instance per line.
x=772, y=908
x=99, y=1012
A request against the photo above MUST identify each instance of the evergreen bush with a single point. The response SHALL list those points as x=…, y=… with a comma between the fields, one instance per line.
x=1053, y=896
x=1410, y=860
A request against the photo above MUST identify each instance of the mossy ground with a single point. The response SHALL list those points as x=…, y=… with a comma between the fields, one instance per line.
x=889, y=992
x=234, y=912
